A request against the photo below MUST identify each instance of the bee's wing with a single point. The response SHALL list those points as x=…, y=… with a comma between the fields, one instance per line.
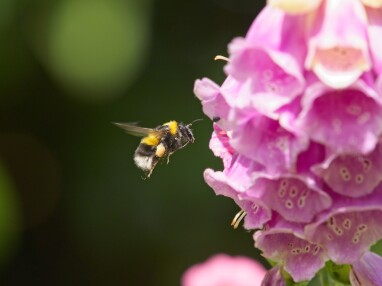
x=133, y=129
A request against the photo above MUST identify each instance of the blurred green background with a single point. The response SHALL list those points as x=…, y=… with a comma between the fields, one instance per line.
x=74, y=209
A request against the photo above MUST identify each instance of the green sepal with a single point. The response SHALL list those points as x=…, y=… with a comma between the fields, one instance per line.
x=339, y=272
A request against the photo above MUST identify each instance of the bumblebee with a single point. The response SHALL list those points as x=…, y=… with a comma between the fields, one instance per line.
x=159, y=142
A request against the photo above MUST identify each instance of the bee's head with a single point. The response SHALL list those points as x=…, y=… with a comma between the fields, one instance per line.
x=186, y=132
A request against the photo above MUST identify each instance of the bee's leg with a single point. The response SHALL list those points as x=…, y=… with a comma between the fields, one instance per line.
x=168, y=157
x=149, y=173
x=184, y=145
x=155, y=161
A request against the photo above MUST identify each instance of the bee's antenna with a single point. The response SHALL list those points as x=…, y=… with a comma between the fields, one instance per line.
x=199, y=119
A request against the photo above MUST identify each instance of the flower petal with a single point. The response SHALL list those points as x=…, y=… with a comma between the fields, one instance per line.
x=352, y=175
x=374, y=30
x=284, y=244
x=372, y=3
x=235, y=180
x=219, y=144
x=274, y=277
x=295, y=198
x=349, y=228
x=276, y=30
x=223, y=269
x=263, y=139
x=315, y=154
x=338, y=47
x=367, y=270
x=295, y=6
x=271, y=55
x=344, y=120
x=275, y=77
x=214, y=104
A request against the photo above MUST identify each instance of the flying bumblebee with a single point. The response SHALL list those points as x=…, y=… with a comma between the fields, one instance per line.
x=158, y=142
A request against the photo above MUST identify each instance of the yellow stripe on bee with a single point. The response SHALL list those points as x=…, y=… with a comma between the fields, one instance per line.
x=150, y=140
x=173, y=125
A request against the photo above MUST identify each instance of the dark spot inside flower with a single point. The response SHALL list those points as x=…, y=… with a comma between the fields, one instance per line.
x=347, y=224
x=293, y=191
x=289, y=204
x=345, y=174
x=338, y=230
x=282, y=192
x=359, y=179
x=284, y=183
x=305, y=193
x=296, y=251
x=362, y=227
x=301, y=202
x=316, y=250
x=366, y=164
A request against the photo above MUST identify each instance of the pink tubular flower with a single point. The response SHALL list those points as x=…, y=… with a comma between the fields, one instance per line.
x=224, y=270
x=338, y=52
x=367, y=270
x=298, y=126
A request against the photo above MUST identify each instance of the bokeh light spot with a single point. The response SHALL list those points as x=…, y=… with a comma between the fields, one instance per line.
x=9, y=217
x=36, y=174
x=96, y=48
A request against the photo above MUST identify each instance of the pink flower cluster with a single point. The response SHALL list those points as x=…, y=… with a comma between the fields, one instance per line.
x=225, y=270
x=298, y=125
